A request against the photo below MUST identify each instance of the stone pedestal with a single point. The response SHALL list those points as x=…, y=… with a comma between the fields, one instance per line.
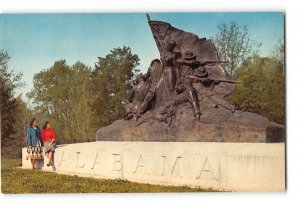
x=216, y=125
x=221, y=166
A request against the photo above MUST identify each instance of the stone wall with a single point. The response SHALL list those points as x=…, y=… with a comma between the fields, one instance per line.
x=221, y=166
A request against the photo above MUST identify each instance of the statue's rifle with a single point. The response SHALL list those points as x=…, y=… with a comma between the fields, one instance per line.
x=213, y=79
x=200, y=62
x=224, y=80
x=205, y=62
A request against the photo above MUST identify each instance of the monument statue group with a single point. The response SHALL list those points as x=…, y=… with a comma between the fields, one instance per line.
x=183, y=97
x=188, y=67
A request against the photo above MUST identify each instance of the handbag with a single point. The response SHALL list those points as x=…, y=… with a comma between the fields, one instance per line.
x=29, y=153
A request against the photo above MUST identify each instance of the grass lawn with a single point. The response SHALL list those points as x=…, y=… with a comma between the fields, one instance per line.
x=16, y=180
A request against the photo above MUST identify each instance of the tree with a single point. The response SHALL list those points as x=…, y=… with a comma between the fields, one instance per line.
x=278, y=51
x=82, y=97
x=23, y=115
x=63, y=95
x=262, y=89
x=234, y=45
x=18, y=140
x=112, y=75
x=9, y=81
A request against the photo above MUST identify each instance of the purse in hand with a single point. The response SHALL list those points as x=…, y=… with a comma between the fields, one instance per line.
x=29, y=153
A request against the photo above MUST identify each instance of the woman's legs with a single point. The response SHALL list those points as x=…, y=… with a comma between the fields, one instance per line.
x=48, y=158
x=47, y=155
x=51, y=154
x=52, y=159
x=33, y=163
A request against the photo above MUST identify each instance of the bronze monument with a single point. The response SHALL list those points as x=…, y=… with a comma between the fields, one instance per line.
x=183, y=97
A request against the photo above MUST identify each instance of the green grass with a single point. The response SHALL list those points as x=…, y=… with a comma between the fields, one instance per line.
x=16, y=180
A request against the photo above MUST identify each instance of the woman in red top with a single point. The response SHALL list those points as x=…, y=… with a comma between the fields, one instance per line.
x=49, y=138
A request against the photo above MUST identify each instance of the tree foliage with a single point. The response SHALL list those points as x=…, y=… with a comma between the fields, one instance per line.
x=111, y=80
x=279, y=51
x=78, y=100
x=262, y=89
x=23, y=115
x=234, y=45
x=9, y=82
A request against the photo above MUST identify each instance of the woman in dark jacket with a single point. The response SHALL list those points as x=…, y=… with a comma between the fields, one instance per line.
x=34, y=138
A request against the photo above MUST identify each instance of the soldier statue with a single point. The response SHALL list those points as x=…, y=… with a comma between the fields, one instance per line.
x=184, y=85
x=136, y=97
x=152, y=77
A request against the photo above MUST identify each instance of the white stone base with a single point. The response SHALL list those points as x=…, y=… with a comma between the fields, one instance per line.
x=221, y=166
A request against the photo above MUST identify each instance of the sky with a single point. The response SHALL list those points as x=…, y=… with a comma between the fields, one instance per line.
x=36, y=41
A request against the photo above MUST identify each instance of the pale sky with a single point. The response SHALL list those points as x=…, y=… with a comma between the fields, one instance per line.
x=36, y=41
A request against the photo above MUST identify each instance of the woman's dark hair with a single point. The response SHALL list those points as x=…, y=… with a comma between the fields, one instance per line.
x=31, y=122
x=45, y=125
